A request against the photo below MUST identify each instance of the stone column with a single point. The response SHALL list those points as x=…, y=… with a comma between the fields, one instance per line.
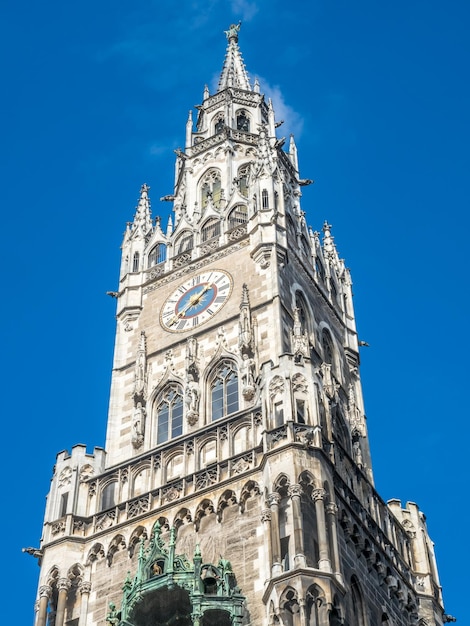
x=84, y=588
x=45, y=592
x=303, y=612
x=331, y=513
x=266, y=520
x=295, y=492
x=273, y=501
x=324, y=562
x=63, y=585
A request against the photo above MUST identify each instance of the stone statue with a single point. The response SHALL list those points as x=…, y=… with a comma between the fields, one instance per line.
x=233, y=30
x=192, y=399
x=138, y=425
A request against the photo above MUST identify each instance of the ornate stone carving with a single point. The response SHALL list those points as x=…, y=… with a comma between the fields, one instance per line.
x=138, y=425
x=300, y=344
x=65, y=477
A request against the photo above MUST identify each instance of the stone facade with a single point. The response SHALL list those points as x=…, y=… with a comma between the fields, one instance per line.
x=237, y=445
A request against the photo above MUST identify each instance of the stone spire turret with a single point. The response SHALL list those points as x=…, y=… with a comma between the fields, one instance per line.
x=142, y=223
x=234, y=73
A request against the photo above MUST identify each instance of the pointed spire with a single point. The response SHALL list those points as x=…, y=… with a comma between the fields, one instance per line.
x=189, y=129
x=143, y=217
x=234, y=73
x=293, y=153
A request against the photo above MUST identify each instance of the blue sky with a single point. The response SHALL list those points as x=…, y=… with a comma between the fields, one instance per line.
x=96, y=96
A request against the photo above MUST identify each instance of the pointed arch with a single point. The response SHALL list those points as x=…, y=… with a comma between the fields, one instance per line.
x=249, y=490
x=108, y=495
x=136, y=262
x=96, y=553
x=167, y=413
x=136, y=537
x=211, y=188
x=223, y=389
x=243, y=120
x=228, y=498
x=204, y=509
x=118, y=544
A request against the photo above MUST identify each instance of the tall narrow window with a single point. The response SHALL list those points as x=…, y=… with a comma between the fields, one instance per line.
x=219, y=124
x=243, y=123
x=242, y=178
x=169, y=414
x=108, y=496
x=224, y=390
x=265, y=199
x=136, y=262
x=328, y=351
x=211, y=189
x=63, y=504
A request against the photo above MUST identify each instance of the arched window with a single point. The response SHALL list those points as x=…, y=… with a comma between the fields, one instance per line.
x=224, y=390
x=185, y=242
x=237, y=216
x=108, y=496
x=320, y=270
x=242, y=179
x=135, y=262
x=304, y=314
x=169, y=413
x=328, y=350
x=211, y=188
x=157, y=255
x=211, y=229
x=219, y=124
x=243, y=122
x=265, y=199
x=357, y=604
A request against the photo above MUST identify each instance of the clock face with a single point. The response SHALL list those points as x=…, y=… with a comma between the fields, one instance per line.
x=196, y=301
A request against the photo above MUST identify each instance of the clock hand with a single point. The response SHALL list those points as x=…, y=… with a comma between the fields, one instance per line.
x=193, y=300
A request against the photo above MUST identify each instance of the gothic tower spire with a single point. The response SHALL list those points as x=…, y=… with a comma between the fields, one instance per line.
x=233, y=73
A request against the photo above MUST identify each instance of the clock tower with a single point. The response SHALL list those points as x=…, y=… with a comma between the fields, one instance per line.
x=236, y=483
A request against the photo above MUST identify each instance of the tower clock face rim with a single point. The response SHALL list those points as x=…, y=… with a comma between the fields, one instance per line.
x=196, y=301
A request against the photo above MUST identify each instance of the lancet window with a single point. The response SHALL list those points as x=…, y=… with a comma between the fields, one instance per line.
x=242, y=178
x=108, y=496
x=211, y=189
x=243, y=121
x=169, y=414
x=219, y=124
x=135, y=262
x=224, y=390
x=328, y=350
x=265, y=199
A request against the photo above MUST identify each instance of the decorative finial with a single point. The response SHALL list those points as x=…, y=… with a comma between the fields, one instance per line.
x=144, y=189
x=232, y=32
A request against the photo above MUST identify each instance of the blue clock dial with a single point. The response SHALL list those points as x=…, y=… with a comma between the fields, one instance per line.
x=196, y=301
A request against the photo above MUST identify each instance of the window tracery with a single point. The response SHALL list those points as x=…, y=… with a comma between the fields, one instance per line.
x=224, y=390
x=211, y=189
x=169, y=413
